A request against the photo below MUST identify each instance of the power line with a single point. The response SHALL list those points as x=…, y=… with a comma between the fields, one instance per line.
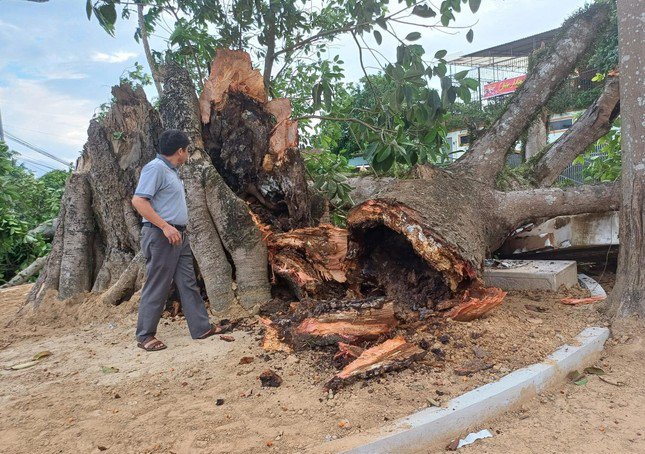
x=36, y=149
x=37, y=163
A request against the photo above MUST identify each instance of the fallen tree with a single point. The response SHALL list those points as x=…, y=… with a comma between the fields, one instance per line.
x=420, y=242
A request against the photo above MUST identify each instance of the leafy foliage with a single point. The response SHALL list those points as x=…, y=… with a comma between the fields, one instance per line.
x=288, y=34
x=329, y=174
x=25, y=202
x=605, y=165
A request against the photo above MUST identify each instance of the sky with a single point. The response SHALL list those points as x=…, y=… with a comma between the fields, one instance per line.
x=56, y=67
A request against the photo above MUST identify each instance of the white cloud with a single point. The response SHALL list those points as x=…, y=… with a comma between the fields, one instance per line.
x=64, y=75
x=115, y=57
x=54, y=121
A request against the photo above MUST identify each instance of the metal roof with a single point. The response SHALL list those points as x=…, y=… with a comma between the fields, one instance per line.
x=506, y=53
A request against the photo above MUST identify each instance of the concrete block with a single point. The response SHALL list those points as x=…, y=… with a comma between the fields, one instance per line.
x=471, y=410
x=577, y=232
x=531, y=274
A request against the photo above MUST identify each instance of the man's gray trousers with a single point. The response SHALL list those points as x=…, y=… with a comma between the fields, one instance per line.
x=165, y=263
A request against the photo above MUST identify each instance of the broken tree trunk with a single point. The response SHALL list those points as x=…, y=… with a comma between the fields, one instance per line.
x=220, y=222
x=253, y=143
x=310, y=260
x=97, y=236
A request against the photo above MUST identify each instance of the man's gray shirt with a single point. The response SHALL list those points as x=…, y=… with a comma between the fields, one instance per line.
x=160, y=183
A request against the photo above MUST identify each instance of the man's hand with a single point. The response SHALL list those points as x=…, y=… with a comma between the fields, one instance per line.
x=173, y=235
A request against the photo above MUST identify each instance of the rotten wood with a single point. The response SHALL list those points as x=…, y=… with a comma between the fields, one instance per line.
x=393, y=354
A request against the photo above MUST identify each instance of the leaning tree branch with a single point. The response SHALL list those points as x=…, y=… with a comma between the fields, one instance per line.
x=487, y=156
x=31, y=270
x=154, y=70
x=591, y=126
x=518, y=207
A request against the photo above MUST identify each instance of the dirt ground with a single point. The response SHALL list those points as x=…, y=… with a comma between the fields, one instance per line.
x=98, y=392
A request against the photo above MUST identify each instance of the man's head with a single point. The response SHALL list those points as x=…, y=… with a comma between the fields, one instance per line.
x=173, y=144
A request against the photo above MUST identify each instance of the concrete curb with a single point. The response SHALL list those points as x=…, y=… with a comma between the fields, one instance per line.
x=476, y=406
x=590, y=284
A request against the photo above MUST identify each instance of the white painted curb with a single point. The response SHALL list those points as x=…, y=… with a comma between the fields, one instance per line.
x=590, y=284
x=475, y=407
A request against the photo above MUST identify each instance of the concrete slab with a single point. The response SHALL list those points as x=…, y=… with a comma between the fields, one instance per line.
x=530, y=274
x=469, y=411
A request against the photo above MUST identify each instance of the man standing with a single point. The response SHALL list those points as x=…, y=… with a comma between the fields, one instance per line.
x=160, y=200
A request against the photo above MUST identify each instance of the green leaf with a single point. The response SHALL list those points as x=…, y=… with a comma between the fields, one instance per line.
x=109, y=369
x=423, y=11
x=88, y=9
x=583, y=381
x=108, y=12
x=474, y=5
x=413, y=36
x=378, y=37
x=445, y=20
x=469, y=36
x=383, y=154
x=461, y=74
x=440, y=54
x=382, y=22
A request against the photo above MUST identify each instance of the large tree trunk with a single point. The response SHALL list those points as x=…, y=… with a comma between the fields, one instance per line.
x=628, y=295
x=420, y=242
x=97, y=236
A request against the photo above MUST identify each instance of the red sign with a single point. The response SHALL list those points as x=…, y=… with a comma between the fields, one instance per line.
x=503, y=87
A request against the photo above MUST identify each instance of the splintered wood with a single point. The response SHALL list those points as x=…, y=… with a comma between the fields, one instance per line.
x=393, y=354
x=309, y=259
x=476, y=303
x=347, y=326
x=231, y=70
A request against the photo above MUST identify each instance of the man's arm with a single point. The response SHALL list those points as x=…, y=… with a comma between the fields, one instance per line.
x=144, y=208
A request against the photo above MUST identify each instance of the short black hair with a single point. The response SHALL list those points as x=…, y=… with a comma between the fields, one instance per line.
x=172, y=140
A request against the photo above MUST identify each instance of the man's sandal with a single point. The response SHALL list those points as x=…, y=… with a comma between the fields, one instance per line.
x=211, y=332
x=152, y=344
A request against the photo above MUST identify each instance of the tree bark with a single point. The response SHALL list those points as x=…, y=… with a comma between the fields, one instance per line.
x=537, y=135
x=628, y=295
x=98, y=232
x=487, y=155
x=220, y=222
x=594, y=123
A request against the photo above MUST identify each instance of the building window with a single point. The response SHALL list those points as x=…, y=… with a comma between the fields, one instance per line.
x=463, y=140
x=560, y=124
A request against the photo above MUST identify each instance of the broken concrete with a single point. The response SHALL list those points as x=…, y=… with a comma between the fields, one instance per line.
x=530, y=274
x=563, y=232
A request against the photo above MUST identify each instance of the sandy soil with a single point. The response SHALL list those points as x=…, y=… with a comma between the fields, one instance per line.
x=166, y=401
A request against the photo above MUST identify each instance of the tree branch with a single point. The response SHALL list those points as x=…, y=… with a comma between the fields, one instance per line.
x=488, y=153
x=591, y=126
x=348, y=119
x=519, y=207
x=339, y=30
x=146, y=47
